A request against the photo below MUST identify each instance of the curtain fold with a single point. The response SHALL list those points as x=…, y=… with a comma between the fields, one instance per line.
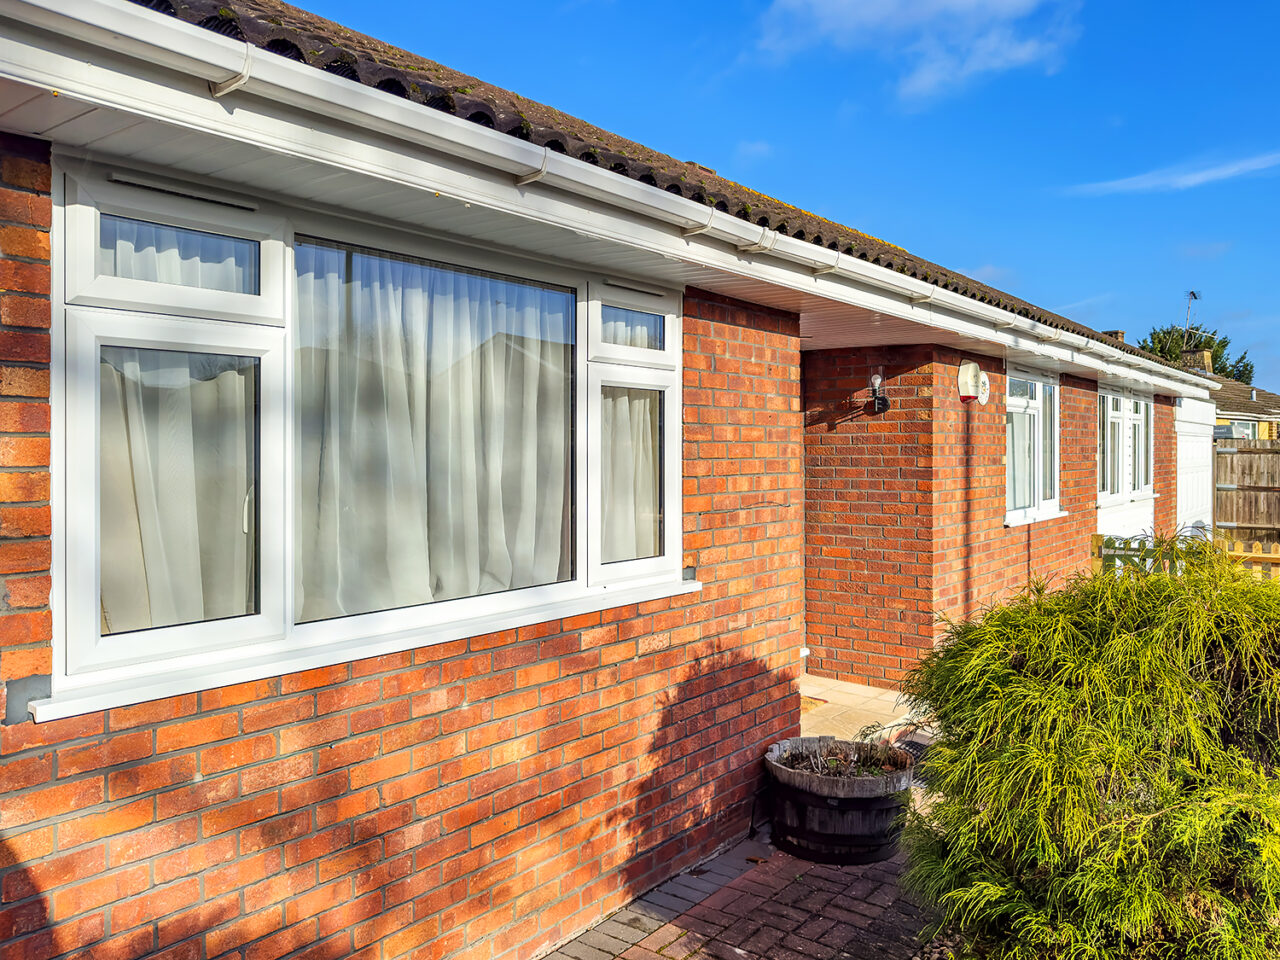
x=141, y=250
x=631, y=473
x=177, y=469
x=434, y=433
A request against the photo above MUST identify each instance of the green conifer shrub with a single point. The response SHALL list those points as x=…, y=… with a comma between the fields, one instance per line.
x=1105, y=782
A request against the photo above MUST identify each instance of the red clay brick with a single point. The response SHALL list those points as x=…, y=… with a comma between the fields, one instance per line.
x=115, y=821
x=192, y=733
x=25, y=521
x=36, y=805
x=22, y=628
x=23, y=381
x=28, y=591
x=24, y=451
x=103, y=753
x=20, y=311
x=151, y=776
x=26, y=173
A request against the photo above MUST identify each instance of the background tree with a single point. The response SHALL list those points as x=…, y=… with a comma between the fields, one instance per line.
x=1171, y=340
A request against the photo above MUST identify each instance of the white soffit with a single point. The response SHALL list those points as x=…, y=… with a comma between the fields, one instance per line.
x=109, y=106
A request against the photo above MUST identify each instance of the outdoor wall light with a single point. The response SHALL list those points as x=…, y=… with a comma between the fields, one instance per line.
x=879, y=402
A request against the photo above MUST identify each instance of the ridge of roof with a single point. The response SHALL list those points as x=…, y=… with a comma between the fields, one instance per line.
x=299, y=35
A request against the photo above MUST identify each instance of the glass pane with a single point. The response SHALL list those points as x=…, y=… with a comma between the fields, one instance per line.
x=1102, y=443
x=1020, y=433
x=1148, y=439
x=1022, y=388
x=1135, y=455
x=1049, y=447
x=139, y=250
x=1117, y=454
x=631, y=328
x=178, y=466
x=631, y=473
x=1115, y=404
x=435, y=432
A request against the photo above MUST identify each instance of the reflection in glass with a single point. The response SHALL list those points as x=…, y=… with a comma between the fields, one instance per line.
x=434, y=432
x=1020, y=441
x=140, y=250
x=178, y=467
x=631, y=471
x=631, y=328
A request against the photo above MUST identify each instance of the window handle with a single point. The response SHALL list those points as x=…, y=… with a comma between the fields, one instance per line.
x=244, y=510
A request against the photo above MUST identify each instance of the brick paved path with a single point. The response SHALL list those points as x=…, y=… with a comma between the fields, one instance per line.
x=758, y=903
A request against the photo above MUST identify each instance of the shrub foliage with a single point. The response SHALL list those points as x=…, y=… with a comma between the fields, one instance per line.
x=1105, y=777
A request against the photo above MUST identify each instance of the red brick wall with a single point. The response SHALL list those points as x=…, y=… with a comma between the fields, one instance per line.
x=1166, y=468
x=869, y=514
x=482, y=798
x=905, y=515
x=25, y=624
x=977, y=559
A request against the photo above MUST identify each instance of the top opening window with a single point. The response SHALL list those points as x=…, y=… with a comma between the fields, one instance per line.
x=135, y=249
x=631, y=328
x=156, y=250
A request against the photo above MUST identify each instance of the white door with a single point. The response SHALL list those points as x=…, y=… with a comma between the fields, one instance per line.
x=1193, y=423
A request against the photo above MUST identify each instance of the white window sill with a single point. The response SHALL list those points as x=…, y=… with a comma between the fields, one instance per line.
x=1123, y=500
x=80, y=694
x=1026, y=519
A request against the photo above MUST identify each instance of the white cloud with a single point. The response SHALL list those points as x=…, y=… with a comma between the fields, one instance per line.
x=1183, y=177
x=943, y=43
x=1085, y=309
x=1205, y=251
x=752, y=150
x=990, y=273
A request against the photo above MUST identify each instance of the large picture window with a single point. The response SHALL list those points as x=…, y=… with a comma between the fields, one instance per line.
x=417, y=445
x=434, y=432
x=1031, y=448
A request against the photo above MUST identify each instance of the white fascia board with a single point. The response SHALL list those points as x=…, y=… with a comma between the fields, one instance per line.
x=272, y=80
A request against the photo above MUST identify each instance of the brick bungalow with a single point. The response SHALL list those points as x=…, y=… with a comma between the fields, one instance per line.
x=419, y=504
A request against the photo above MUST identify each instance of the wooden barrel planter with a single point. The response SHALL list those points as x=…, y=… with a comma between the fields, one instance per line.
x=837, y=819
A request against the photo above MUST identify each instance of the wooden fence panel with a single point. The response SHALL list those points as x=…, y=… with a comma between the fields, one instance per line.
x=1247, y=502
x=1116, y=553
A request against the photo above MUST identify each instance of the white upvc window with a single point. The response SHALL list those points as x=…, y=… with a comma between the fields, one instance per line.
x=414, y=442
x=1031, y=447
x=1126, y=447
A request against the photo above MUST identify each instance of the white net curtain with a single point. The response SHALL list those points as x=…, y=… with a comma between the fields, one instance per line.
x=178, y=464
x=434, y=433
x=141, y=250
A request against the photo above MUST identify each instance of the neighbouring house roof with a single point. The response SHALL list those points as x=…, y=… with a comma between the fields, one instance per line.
x=290, y=32
x=1240, y=401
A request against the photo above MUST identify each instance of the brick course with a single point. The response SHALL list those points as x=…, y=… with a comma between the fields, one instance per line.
x=25, y=214
x=484, y=798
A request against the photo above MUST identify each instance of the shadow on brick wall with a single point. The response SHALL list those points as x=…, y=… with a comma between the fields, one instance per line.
x=684, y=784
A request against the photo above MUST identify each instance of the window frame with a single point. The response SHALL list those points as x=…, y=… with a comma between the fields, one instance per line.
x=1124, y=419
x=91, y=193
x=88, y=330
x=1042, y=508
x=190, y=657
x=615, y=294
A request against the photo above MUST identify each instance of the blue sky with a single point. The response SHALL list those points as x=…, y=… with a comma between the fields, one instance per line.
x=1096, y=158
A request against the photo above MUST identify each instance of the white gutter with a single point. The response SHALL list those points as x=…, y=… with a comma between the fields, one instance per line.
x=227, y=65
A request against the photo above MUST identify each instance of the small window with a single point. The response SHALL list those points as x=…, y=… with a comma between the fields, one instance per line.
x=158, y=253
x=131, y=247
x=1031, y=450
x=631, y=328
